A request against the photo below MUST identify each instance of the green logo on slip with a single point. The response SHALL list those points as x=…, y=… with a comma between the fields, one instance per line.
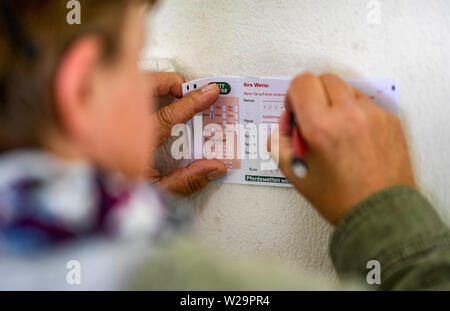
x=225, y=88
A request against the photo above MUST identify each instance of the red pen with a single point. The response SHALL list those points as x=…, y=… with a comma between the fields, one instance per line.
x=299, y=151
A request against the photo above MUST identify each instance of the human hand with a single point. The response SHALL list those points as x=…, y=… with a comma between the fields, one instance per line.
x=198, y=174
x=355, y=148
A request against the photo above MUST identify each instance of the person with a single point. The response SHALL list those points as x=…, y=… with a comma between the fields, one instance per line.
x=78, y=130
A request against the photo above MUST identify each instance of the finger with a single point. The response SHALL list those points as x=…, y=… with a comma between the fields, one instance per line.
x=365, y=102
x=288, y=105
x=164, y=83
x=363, y=98
x=184, y=109
x=360, y=95
x=307, y=98
x=285, y=124
x=193, y=177
x=339, y=92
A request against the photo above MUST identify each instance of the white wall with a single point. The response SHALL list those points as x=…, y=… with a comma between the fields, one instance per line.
x=285, y=37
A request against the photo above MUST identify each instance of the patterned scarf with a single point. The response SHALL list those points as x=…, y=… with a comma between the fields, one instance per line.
x=45, y=202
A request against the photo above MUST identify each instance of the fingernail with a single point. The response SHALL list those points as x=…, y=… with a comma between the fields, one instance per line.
x=210, y=88
x=215, y=174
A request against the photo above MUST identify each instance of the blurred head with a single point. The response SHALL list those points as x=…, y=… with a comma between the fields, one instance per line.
x=76, y=90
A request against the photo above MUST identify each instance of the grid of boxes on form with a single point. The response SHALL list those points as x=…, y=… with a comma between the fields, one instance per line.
x=225, y=112
x=273, y=108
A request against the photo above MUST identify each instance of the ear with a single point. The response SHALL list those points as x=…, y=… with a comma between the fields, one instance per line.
x=73, y=85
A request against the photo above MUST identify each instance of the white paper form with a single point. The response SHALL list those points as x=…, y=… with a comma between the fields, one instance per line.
x=235, y=129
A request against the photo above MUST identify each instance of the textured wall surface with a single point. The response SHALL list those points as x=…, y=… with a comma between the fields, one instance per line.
x=282, y=38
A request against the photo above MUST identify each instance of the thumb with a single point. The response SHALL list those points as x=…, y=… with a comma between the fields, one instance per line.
x=184, y=109
x=194, y=177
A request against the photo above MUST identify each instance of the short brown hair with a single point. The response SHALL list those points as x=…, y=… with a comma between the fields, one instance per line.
x=34, y=34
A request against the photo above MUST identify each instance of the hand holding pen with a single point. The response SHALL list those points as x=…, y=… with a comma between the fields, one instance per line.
x=337, y=147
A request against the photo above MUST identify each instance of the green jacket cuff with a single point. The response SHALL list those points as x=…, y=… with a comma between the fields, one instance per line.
x=390, y=226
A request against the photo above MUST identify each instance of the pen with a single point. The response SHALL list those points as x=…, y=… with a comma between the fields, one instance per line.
x=299, y=151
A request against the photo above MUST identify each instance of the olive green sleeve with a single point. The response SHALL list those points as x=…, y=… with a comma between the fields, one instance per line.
x=187, y=264
x=400, y=229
